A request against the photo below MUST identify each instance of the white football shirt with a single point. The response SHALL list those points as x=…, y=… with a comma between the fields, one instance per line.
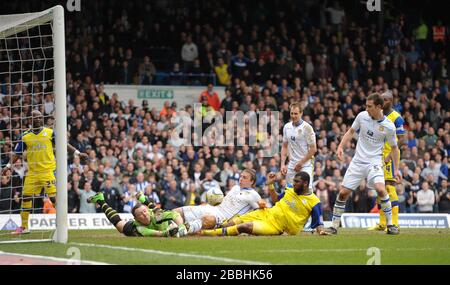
x=372, y=135
x=237, y=202
x=299, y=139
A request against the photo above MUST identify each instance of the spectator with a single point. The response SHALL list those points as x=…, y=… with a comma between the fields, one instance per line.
x=425, y=199
x=147, y=71
x=222, y=72
x=189, y=53
x=84, y=194
x=443, y=197
x=112, y=195
x=211, y=96
x=434, y=171
x=173, y=197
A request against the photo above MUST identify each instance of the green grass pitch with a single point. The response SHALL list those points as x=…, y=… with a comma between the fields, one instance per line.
x=412, y=246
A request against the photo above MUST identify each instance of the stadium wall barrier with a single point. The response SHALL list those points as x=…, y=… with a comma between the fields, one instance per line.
x=353, y=220
x=48, y=221
x=156, y=95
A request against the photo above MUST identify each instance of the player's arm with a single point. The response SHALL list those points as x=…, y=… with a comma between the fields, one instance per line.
x=255, y=201
x=401, y=136
x=145, y=200
x=179, y=223
x=316, y=220
x=347, y=138
x=395, y=154
x=147, y=232
x=271, y=177
x=75, y=151
x=284, y=152
x=312, y=148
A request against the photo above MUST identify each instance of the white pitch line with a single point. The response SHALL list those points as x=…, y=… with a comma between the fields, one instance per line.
x=334, y=250
x=190, y=255
x=52, y=258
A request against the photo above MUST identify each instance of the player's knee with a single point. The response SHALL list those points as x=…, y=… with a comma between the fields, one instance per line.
x=343, y=194
x=245, y=228
x=26, y=198
x=392, y=192
x=208, y=222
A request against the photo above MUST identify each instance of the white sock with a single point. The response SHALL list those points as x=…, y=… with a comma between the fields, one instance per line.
x=338, y=210
x=195, y=226
x=387, y=209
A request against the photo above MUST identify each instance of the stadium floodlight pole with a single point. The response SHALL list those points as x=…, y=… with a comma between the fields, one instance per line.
x=60, y=124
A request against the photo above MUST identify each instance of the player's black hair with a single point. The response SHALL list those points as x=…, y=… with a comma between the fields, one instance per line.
x=304, y=176
x=138, y=205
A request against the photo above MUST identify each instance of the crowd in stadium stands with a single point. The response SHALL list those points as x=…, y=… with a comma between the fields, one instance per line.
x=267, y=56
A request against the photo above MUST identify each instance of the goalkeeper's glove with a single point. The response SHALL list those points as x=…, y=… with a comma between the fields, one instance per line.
x=171, y=231
x=182, y=230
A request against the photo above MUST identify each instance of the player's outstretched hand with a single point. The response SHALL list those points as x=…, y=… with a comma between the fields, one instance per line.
x=284, y=169
x=83, y=156
x=271, y=177
x=262, y=204
x=398, y=176
x=321, y=231
x=298, y=166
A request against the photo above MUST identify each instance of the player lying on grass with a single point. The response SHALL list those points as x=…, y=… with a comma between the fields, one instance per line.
x=289, y=214
x=241, y=199
x=149, y=221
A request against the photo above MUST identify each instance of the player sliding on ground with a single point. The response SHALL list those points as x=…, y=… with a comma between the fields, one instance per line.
x=149, y=221
x=289, y=215
x=38, y=143
x=241, y=199
x=373, y=131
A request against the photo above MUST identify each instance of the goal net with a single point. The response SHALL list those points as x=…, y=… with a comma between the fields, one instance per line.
x=32, y=77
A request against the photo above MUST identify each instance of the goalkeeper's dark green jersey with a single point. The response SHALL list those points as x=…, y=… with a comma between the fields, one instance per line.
x=159, y=221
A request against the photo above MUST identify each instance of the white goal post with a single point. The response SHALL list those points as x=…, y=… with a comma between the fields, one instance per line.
x=10, y=27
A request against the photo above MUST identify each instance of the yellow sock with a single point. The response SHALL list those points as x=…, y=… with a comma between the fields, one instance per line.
x=395, y=215
x=392, y=191
x=382, y=219
x=228, y=231
x=25, y=213
x=231, y=231
x=215, y=232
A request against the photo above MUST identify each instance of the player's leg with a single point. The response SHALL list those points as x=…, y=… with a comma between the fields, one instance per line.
x=290, y=176
x=30, y=188
x=386, y=207
x=390, y=187
x=110, y=213
x=392, y=192
x=375, y=178
x=352, y=179
x=193, y=216
x=50, y=188
x=231, y=226
x=310, y=171
x=381, y=225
